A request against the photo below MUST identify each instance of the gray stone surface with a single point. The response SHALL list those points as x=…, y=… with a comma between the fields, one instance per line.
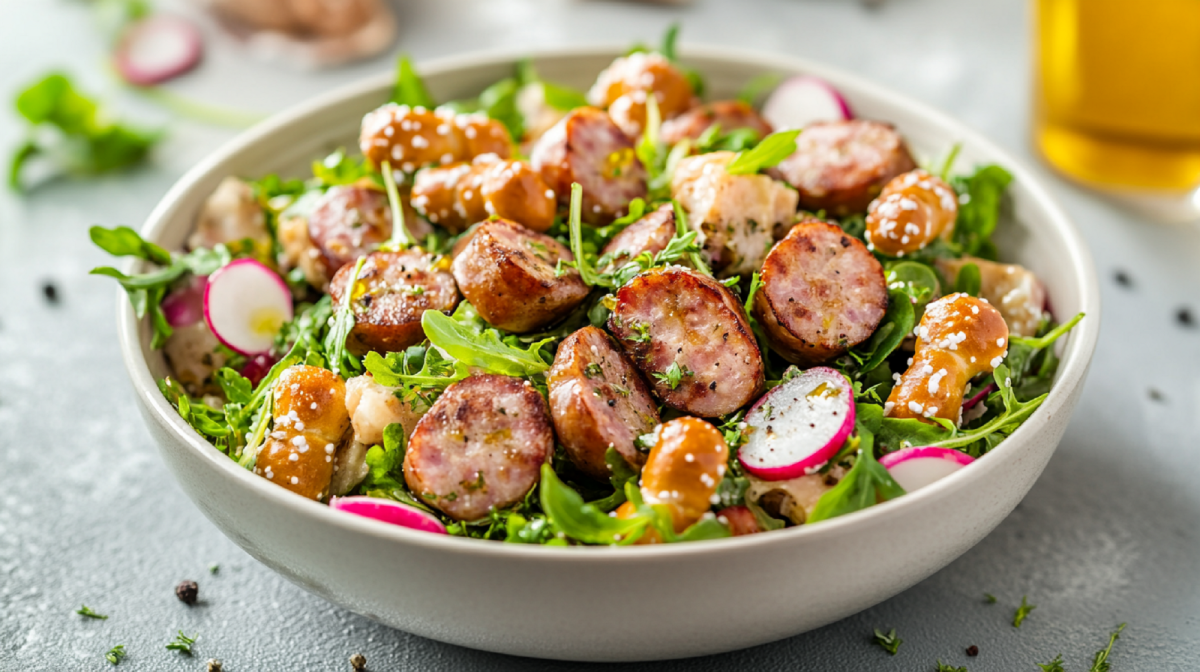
x=89, y=515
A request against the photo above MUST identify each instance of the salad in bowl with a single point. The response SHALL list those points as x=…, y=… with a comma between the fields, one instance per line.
x=622, y=316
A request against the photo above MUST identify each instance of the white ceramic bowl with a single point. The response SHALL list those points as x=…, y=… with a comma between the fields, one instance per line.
x=618, y=603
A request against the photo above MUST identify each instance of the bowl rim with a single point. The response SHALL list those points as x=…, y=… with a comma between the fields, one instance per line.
x=1076, y=357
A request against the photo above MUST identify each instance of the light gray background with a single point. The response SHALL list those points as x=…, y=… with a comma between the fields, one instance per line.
x=89, y=515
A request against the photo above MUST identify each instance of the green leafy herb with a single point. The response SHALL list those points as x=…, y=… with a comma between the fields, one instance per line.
x=182, y=643
x=888, y=641
x=420, y=373
x=401, y=238
x=339, y=168
x=969, y=280
x=1100, y=661
x=1022, y=612
x=85, y=610
x=115, y=654
x=237, y=388
x=980, y=210
x=593, y=370
x=673, y=375
x=897, y=323
x=410, y=89
x=561, y=98
x=737, y=140
x=622, y=473
x=587, y=272
x=1055, y=665
x=341, y=361
x=943, y=667
x=774, y=148
x=214, y=568
x=867, y=483
x=483, y=349
x=694, y=254
x=670, y=37
x=499, y=101
x=948, y=163
x=383, y=462
x=73, y=134
x=989, y=598
x=758, y=86
x=570, y=516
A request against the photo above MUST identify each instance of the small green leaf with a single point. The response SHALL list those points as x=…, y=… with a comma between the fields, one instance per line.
x=1022, y=612
x=583, y=522
x=969, y=280
x=410, y=88
x=482, y=349
x=123, y=241
x=774, y=148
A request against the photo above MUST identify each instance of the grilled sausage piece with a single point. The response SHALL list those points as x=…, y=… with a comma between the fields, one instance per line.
x=912, y=210
x=588, y=148
x=839, y=166
x=623, y=86
x=413, y=137
x=508, y=273
x=393, y=291
x=689, y=335
x=1013, y=290
x=480, y=446
x=652, y=233
x=731, y=115
x=598, y=401
x=737, y=214
x=458, y=195
x=823, y=292
x=310, y=421
x=347, y=223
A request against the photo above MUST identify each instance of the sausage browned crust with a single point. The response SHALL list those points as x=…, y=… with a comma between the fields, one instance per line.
x=393, y=291
x=588, y=148
x=652, y=233
x=823, y=293
x=458, y=195
x=480, y=447
x=623, y=86
x=598, y=401
x=839, y=166
x=410, y=138
x=690, y=336
x=509, y=274
x=347, y=223
x=731, y=115
x=310, y=421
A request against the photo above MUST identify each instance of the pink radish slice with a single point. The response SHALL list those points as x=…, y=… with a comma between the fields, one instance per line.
x=978, y=396
x=257, y=367
x=185, y=306
x=917, y=467
x=245, y=304
x=390, y=512
x=156, y=49
x=799, y=425
x=803, y=99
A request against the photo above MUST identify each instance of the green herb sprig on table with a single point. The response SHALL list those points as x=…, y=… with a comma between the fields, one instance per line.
x=85, y=610
x=1022, y=612
x=888, y=641
x=182, y=643
x=116, y=654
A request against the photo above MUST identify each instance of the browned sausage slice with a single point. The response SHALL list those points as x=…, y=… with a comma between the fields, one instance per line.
x=652, y=233
x=480, y=447
x=689, y=335
x=823, y=293
x=393, y=291
x=509, y=274
x=598, y=401
x=588, y=148
x=348, y=222
x=839, y=166
x=732, y=115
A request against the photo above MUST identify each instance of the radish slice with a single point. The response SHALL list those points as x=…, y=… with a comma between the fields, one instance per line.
x=917, y=467
x=156, y=49
x=245, y=304
x=387, y=511
x=803, y=99
x=799, y=426
x=257, y=367
x=978, y=396
x=185, y=306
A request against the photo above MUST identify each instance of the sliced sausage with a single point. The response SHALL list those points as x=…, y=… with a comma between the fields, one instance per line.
x=823, y=293
x=1014, y=290
x=588, y=148
x=839, y=166
x=690, y=336
x=393, y=291
x=509, y=274
x=458, y=195
x=731, y=115
x=737, y=214
x=598, y=401
x=652, y=233
x=623, y=86
x=912, y=211
x=410, y=138
x=480, y=447
x=310, y=421
x=347, y=223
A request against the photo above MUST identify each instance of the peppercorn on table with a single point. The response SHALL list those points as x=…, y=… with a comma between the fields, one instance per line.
x=89, y=516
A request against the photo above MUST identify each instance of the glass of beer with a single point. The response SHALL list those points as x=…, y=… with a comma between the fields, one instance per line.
x=1117, y=97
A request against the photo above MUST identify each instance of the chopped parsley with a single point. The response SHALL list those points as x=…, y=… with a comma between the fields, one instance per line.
x=593, y=370
x=182, y=643
x=989, y=598
x=115, y=654
x=1100, y=662
x=1022, y=612
x=943, y=667
x=673, y=375
x=641, y=332
x=85, y=610
x=888, y=641
x=1055, y=665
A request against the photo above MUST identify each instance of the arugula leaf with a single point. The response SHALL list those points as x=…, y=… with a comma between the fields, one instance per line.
x=499, y=101
x=1100, y=661
x=384, y=462
x=237, y=388
x=979, y=212
x=1022, y=612
x=888, y=641
x=340, y=360
x=737, y=140
x=866, y=484
x=401, y=238
x=774, y=148
x=682, y=229
x=73, y=134
x=123, y=241
x=897, y=323
x=916, y=279
x=410, y=88
x=570, y=516
x=587, y=271
x=420, y=373
x=336, y=169
x=969, y=280
x=622, y=473
x=561, y=98
x=483, y=349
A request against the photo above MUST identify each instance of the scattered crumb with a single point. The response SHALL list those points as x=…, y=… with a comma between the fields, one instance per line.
x=1122, y=278
x=1155, y=395
x=1184, y=317
x=972, y=650
x=50, y=291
